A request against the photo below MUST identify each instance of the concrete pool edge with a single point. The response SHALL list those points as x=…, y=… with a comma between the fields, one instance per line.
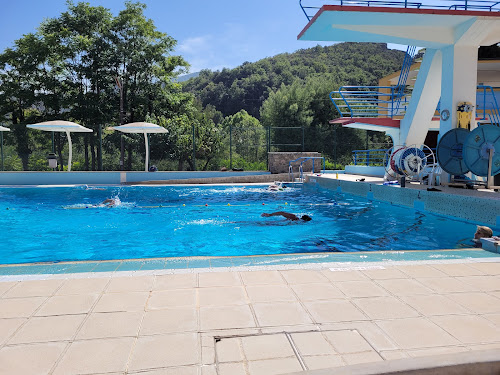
x=157, y=266
x=481, y=362
x=462, y=207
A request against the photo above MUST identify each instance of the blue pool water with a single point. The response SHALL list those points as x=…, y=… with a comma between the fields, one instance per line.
x=60, y=224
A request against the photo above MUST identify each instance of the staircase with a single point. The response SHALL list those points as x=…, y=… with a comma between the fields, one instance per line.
x=377, y=101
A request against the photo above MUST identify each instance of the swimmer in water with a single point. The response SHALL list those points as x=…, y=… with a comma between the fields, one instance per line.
x=277, y=186
x=288, y=216
x=481, y=232
x=110, y=202
x=87, y=187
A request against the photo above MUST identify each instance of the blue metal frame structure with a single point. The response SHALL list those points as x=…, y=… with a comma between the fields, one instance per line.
x=375, y=157
x=303, y=159
x=487, y=104
x=369, y=101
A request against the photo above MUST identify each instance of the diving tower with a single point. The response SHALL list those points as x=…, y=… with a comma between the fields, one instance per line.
x=451, y=33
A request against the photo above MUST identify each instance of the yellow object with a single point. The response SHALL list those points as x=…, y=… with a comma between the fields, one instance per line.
x=229, y=204
x=337, y=176
x=286, y=203
x=464, y=115
x=183, y=205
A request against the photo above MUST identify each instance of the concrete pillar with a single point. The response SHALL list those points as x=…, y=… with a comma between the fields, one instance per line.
x=425, y=97
x=458, y=84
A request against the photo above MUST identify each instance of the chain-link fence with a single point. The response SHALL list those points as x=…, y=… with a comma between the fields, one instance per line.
x=230, y=147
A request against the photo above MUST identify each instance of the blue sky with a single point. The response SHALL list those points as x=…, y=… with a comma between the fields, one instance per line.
x=211, y=34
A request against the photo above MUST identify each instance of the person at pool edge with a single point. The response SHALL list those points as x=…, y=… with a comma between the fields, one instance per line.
x=288, y=216
x=483, y=232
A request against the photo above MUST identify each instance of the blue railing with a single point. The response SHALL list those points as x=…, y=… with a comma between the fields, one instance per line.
x=369, y=157
x=487, y=104
x=377, y=157
x=370, y=101
x=302, y=160
x=474, y=5
x=403, y=76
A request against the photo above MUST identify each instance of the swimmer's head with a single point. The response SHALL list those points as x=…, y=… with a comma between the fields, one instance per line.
x=306, y=218
x=483, y=232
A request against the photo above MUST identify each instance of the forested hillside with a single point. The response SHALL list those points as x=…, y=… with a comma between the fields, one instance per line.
x=249, y=85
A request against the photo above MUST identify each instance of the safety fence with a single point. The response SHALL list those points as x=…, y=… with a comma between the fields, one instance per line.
x=231, y=147
x=378, y=157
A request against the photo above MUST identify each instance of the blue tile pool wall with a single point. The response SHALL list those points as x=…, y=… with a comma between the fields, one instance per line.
x=475, y=209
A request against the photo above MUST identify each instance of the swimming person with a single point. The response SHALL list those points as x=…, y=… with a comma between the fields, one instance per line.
x=481, y=232
x=277, y=186
x=288, y=216
x=110, y=202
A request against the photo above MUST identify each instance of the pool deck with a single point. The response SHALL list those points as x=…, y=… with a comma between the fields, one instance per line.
x=246, y=321
x=479, y=192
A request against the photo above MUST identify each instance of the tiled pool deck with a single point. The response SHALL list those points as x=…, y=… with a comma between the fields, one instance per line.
x=246, y=320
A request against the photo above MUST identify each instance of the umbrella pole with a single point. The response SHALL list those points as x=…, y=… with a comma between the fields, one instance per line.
x=147, y=150
x=70, y=150
x=1, y=146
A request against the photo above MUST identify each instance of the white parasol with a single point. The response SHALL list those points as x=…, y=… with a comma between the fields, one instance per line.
x=62, y=126
x=144, y=128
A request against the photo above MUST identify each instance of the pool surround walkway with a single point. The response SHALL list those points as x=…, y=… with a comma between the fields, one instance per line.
x=249, y=322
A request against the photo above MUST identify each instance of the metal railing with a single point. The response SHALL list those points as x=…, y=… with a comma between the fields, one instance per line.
x=472, y=5
x=370, y=101
x=403, y=76
x=377, y=157
x=487, y=104
x=369, y=157
x=303, y=159
x=373, y=101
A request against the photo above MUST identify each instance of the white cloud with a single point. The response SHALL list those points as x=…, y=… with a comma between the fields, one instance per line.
x=195, y=45
x=230, y=47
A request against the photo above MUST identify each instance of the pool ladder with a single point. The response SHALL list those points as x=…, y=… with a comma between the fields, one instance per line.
x=291, y=176
x=302, y=159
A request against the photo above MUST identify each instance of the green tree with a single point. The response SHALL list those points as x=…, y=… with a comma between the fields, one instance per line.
x=248, y=136
x=68, y=70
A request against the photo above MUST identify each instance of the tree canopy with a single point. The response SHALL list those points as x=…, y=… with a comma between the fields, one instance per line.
x=74, y=68
x=99, y=69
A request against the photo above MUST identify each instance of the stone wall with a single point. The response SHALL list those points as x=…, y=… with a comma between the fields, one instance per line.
x=278, y=161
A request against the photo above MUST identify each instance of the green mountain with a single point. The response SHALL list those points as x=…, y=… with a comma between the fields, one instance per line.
x=249, y=85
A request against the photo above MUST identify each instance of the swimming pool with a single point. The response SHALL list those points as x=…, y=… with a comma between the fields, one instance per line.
x=63, y=223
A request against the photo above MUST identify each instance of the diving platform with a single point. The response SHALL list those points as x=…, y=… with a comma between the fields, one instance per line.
x=387, y=125
x=367, y=21
x=448, y=75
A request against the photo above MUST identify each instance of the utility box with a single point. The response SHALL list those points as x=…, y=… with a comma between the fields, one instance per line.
x=52, y=159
